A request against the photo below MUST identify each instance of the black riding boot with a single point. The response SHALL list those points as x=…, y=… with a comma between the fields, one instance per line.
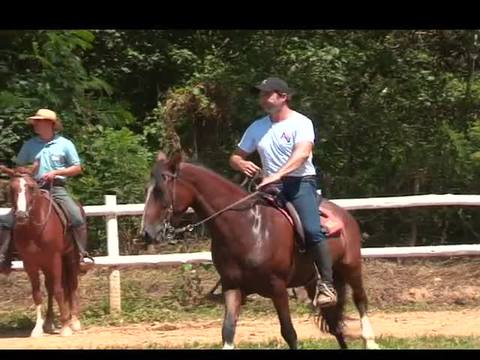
x=80, y=237
x=5, y=261
x=325, y=295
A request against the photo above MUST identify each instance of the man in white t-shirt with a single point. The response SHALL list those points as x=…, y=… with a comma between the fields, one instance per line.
x=284, y=139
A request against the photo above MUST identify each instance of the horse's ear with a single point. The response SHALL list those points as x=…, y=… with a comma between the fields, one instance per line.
x=175, y=160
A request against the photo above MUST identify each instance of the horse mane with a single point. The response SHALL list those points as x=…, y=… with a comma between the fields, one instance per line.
x=22, y=170
x=229, y=185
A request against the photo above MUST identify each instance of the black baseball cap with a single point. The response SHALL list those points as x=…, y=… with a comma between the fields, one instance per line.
x=275, y=84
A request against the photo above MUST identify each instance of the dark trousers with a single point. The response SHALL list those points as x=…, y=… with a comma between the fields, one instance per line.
x=302, y=193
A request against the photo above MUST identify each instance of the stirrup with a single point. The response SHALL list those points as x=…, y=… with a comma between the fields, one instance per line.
x=86, y=256
x=84, y=267
x=327, y=294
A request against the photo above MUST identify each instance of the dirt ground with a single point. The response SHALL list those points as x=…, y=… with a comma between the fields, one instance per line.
x=449, y=289
x=181, y=334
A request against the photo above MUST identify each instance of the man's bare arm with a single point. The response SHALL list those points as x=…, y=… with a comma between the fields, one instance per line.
x=238, y=161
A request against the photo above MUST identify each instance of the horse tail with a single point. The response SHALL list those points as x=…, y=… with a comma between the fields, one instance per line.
x=331, y=319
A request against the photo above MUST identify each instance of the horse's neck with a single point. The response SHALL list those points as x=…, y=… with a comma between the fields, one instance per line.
x=228, y=229
x=213, y=192
x=40, y=204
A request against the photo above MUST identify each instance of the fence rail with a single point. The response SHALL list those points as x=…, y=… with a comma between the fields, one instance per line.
x=205, y=256
x=111, y=210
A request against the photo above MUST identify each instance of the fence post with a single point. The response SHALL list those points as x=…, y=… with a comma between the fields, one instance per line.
x=113, y=250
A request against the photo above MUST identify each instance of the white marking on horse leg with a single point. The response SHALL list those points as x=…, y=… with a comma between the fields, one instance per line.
x=66, y=331
x=367, y=333
x=22, y=198
x=38, y=329
x=149, y=192
x=228, y=346
x=75, y=324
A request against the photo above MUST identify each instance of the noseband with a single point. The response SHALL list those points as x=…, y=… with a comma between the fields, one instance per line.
x=168, y=230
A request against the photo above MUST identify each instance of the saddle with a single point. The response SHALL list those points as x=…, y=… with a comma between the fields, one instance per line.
x=62, y=212
x=331, y=226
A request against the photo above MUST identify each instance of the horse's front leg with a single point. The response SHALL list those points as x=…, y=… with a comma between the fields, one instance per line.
x=233, y=301
x=59, y=294
x=74, y=302
x=37, y=299
x=49, y=326
x=280, y=300
x=75, y=323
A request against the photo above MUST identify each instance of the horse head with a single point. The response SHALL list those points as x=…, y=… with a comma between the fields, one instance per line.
x=167, y=197
x=23, y=187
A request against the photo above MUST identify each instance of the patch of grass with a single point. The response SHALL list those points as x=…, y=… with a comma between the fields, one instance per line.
x=426, y=342
x=138, y=305
x=431, y=342
x=419, y=306
x=16, y=321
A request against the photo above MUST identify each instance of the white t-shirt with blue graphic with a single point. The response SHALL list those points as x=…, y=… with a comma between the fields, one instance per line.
x=275, y=142
x=58, y=153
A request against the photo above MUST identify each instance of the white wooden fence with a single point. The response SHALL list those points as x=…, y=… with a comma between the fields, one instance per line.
x=111, y=210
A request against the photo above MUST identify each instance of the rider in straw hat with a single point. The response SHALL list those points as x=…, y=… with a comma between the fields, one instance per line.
x=49, y=115
x=54, y=159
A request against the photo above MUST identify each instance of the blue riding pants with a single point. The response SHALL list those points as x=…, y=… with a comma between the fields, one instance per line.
x=302, y=193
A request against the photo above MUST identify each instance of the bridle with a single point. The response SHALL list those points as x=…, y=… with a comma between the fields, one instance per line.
x=170, y=231
x=30, y=206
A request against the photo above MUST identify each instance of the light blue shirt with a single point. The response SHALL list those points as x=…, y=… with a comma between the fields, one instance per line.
x=275, y=142
x=58, y=153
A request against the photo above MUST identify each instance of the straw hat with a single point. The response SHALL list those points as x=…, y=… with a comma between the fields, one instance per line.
x=46, y=114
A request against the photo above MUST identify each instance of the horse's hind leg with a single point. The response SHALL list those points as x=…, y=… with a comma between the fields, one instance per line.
x=71, y=282
x=34, y=276
x=233, y=301
x=354, y=278
x=49, y=326
x=332, y=317
x=280, y=300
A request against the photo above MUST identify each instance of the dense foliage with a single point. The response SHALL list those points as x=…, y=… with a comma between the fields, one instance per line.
x=396, y=112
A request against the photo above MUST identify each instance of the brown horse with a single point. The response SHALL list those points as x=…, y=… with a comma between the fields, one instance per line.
x=42, y=243
x=253, y=246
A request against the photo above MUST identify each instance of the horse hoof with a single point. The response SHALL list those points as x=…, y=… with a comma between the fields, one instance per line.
x=49, y=328
x=76, y=326
x=372, y=345
x=36, y=333
x=66, y=331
